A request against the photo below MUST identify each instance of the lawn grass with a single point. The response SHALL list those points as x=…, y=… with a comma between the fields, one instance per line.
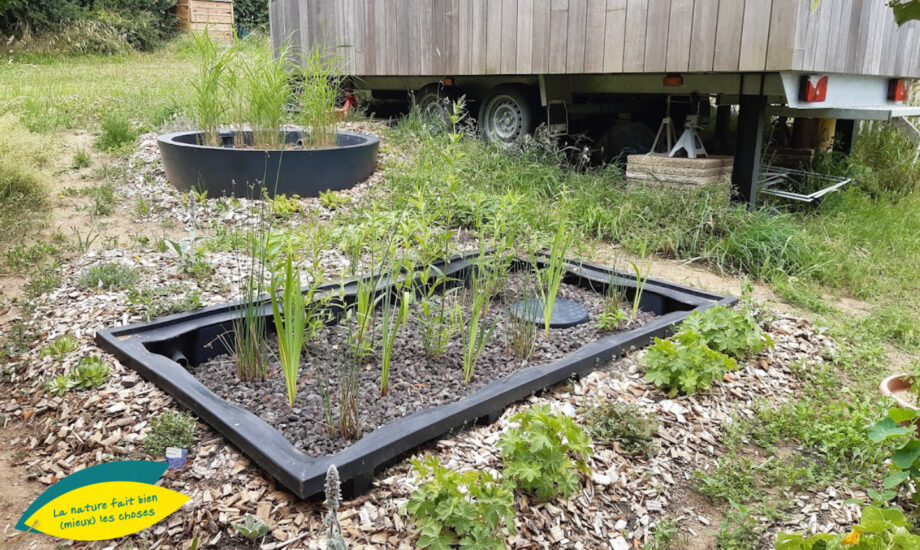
x=55, y=92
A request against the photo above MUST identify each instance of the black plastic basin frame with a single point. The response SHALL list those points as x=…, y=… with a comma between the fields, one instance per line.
x=305, y=475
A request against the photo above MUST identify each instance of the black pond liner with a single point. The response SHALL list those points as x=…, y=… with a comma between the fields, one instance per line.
x=164, y=350
x=224, y=171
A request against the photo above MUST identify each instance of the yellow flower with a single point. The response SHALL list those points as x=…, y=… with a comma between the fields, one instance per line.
x=852, y=539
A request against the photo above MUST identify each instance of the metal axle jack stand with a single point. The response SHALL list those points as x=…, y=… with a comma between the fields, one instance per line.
x=666, y=128
x=690, y=140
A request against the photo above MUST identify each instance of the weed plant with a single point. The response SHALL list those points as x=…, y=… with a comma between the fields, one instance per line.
x=685, y=364
x=157, y=301
x=521, y=330
x=440, y=313
x=393, y=315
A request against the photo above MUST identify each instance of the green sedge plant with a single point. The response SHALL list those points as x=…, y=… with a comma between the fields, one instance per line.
x=546, y=453
x=439, y=311
x=478, y=330
x=551, y=276
x=290, y=318
x=394, y=313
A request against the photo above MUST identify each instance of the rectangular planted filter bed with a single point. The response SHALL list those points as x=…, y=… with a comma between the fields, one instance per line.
x=187, y=356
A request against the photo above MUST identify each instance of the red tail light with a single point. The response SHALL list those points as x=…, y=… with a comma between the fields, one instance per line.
x=897, y=89
x=813, y=88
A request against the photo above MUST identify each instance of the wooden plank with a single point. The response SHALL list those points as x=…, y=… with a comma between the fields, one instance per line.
x=344, y=49
x=855, y=9
x=494, y=37
x=479, y=27
x=656, y=35
x=595, y=36
x=614, y=36
x=524, y=61
x=888, y=51
x=509, y=36
x=703, y=34
x=541, y=37
x=680, y=29
x=370, y=36
x=465, y=29
x=357, y=23
x=755, y=33
x=392, y=34
x=559, y=25
x=575, y=37
x=801, y=28
x=401, y=39
x=426, y=42
x=826, y=63
x=452, y=22
x=843, y=41
x=822, y=32
x=782, y=39
x=728, y=35
x=634, y=45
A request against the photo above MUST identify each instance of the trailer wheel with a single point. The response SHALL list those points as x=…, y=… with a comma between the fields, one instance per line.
x=433, y=100
x=507, y=114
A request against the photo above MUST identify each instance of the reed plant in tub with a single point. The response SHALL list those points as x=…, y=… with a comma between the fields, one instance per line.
x=551, y=276
x=208, y=103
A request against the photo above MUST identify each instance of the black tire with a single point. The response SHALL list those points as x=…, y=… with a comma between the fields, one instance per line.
x=434, y=100
x=507, y=114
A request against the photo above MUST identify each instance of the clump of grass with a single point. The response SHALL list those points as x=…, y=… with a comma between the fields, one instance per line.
x=24, y=161
x=208, y=103
x=318, y=92
x=170, y=429
x=153, y=302
x=267, y=91
x=81, y=159
x=884, y=159
x=117, y=133
x=109, y=276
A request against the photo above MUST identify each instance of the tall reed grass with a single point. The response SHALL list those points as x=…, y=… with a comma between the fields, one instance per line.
x=209, y=98
x=319, y=89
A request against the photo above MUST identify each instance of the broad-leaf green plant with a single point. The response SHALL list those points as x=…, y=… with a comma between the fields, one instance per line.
x=898, y=426
x=878, y=529
x=469, y=509
x=545, y=453
x=732, y=331
x=685, y=364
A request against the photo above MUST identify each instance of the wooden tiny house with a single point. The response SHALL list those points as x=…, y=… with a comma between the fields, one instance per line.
x=214, y=15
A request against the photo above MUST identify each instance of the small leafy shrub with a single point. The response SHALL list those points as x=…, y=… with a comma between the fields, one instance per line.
x=685, y=363
x=170, y=429
x=624, y=424
x=62, y=345
x=21, y=257
x=732, y=331
x=91, y=372
x=117, y=133
x=109, y=276
x=333, y=200
x=545, y=453
x=664, y=536
x=252, y=528
x=612, y=318
x=878, y=529
x=739, y=530
x=470, y=509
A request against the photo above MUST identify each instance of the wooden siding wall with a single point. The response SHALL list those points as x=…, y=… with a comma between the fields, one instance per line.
x=464, y=37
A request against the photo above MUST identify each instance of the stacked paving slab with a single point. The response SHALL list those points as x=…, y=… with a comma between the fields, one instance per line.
x=659, y=168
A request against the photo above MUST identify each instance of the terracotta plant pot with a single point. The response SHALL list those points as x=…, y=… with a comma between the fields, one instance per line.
x=897, y=383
